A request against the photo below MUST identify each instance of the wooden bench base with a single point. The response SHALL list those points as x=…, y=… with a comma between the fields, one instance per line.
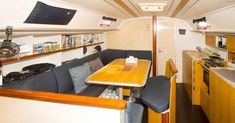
x=154, y=117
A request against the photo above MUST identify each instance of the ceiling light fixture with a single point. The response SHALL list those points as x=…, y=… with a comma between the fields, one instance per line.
x=152, y=7
x=107, y=21
x=201, y=23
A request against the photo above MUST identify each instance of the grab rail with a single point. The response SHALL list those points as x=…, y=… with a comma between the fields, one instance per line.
x=64, y=98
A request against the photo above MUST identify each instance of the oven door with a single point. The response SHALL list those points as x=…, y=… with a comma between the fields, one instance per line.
x=206, y=76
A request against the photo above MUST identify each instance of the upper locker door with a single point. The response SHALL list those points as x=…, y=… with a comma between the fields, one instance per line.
x=166, y=47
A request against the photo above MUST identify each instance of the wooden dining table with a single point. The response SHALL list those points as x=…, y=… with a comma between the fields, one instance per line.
x=121, y=74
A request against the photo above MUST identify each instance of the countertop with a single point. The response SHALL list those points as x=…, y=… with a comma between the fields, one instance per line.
x=195, y=54
x=227, y=74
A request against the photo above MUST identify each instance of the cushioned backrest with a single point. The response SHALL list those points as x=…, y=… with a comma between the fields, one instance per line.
x=42, y=82
x=62, y=74
x=156, y=93
x=63, y=77
x=140, y=54
x=109, y=55
x=15, y=84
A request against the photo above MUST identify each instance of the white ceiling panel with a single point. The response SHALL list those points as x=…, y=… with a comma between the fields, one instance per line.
x=193, y=7
x=199, y=7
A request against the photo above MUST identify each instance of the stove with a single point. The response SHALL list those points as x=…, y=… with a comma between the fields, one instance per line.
x=210, y=62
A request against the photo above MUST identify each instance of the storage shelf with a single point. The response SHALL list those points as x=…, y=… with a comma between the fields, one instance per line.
x=38, y=32
x=26, y=57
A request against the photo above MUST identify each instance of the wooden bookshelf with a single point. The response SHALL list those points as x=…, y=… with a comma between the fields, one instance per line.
x=26, y=57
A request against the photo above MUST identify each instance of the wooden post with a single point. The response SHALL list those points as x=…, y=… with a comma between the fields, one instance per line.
x=154, y=44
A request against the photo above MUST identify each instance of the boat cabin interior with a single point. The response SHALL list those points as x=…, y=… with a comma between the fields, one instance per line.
x=117, y=61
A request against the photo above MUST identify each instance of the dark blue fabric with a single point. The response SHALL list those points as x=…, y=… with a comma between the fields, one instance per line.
x=134, y=113
x=42, y=82
x=93, y=90
x=62, y=72
x=16, y=84
x=91, y=57
x=156, y=93
x=140, y=54
x=63, y=77
x=109, y=55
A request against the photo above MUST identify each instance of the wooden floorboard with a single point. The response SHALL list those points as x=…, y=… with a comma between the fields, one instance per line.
x=185, y=111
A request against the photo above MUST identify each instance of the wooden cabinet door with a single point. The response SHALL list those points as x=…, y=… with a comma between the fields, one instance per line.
x=197, y=80
x=210, y=40
x=231, y=43
x=222, y=106
x=205, y=102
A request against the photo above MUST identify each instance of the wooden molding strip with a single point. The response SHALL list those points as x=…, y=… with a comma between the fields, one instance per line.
x=154, y=44
x=179, y=7
x=125, y=7
x=26, y=57
x=172, y=1
x=64, y=98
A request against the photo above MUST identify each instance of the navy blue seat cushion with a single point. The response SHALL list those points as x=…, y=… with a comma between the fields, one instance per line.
x=46, y=82
x=134, y=113
x=62, y=72
x=93, y=90
x=63, y=78
x=140, y=54
x=70, y=92
x=109, y=55
x=156, y=93
x=15, y=84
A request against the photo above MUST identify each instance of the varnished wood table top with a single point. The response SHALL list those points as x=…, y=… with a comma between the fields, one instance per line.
x=120, y=73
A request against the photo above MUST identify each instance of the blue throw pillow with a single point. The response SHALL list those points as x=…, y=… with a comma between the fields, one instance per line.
x=78, y=75
x=95, y=65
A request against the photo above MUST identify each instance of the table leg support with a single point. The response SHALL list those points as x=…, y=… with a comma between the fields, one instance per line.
x=120, y=92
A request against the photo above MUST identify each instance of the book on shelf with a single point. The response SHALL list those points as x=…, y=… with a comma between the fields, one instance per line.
x=69, y=41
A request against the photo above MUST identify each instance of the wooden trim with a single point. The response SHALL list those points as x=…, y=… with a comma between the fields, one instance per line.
x=64, y=98
x=179, y=7
x=154, y=44
x=154, y=117
x=172, y=105
x=171, y=4
x=173, y=66
x=125, y=7
x=26, y=57
x=165, y=118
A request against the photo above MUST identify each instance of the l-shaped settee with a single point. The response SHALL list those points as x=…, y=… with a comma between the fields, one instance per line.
x=58, y=80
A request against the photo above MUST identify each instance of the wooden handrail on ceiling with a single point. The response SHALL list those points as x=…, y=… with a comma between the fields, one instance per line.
x=179, y=7
x=64, y=98
x=125, y=7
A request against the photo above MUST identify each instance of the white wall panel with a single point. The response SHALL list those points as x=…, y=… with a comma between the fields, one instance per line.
x=15, y=110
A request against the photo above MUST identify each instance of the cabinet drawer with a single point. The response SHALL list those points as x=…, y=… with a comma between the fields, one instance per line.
x=205, y=100
x=210, y=40
x=231, y=43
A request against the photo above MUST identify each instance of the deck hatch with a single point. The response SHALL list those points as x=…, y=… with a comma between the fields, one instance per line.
x=46, y=14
